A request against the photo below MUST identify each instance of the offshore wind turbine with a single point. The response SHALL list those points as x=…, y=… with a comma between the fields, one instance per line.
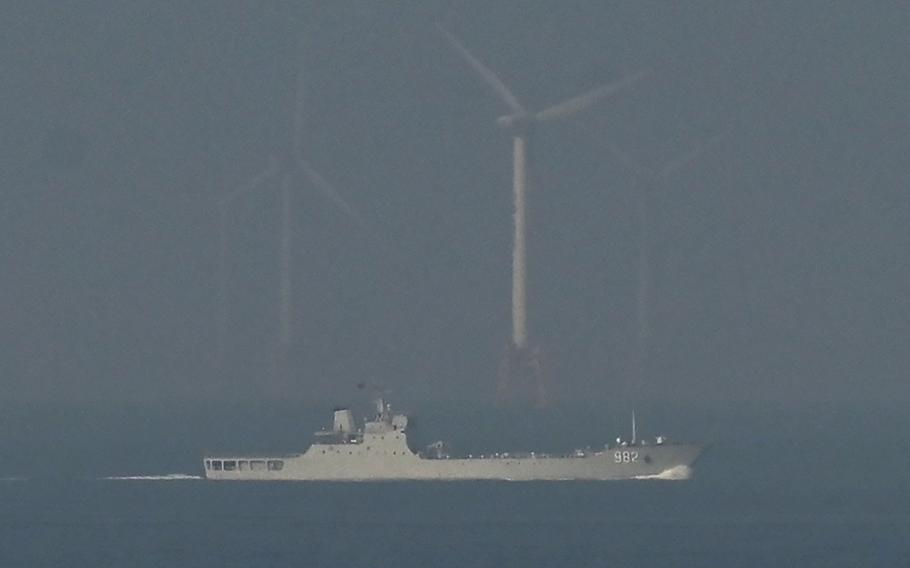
x=291, y=169
x=644, y=182
x=522, y=363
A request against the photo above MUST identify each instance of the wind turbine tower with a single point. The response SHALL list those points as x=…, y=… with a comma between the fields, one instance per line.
x=521, y=368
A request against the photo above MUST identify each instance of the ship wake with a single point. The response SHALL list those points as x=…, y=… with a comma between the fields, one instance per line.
x=677, y=473
x=165, y=477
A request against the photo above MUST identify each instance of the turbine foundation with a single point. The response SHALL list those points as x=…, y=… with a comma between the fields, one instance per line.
x=521, y=377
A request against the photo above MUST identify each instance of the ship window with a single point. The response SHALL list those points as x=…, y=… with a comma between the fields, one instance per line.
x=216, y=465
x=257, y=465
x=243, y=465
x=350, y=453
x=276, y=465
x=208, y=464
x=323, y=451
x=230, y=465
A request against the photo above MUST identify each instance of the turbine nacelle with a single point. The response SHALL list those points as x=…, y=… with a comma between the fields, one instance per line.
x=516, y=124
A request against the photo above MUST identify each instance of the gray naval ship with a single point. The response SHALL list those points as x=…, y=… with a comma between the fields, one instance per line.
x=380, y=451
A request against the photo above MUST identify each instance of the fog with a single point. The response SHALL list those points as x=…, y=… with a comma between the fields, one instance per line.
x=779, y=264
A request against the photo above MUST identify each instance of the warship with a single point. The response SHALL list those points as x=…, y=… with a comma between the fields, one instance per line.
x=380, y=451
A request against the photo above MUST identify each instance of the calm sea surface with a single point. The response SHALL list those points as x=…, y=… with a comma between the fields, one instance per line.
x=829, y=497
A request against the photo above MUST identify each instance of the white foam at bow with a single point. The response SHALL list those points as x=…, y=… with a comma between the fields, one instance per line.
x=677, y=473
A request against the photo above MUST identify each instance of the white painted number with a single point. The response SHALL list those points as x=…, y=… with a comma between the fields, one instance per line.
x=625, y=457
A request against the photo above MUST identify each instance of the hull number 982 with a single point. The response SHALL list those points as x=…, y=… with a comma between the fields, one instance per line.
x=625, y=457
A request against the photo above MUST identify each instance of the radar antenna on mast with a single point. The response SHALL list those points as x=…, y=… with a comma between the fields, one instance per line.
x=379, y=393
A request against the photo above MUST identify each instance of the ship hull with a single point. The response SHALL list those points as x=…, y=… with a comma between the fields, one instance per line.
x=351, y=463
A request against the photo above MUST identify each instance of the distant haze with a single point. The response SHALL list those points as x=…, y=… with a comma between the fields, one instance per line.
x=779, y=259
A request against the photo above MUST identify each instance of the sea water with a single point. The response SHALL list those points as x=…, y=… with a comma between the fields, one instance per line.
x=822, y=497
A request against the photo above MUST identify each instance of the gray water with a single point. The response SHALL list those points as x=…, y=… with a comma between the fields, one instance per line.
x=776, y=487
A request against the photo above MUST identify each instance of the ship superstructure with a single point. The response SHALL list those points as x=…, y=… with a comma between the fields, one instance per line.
x=380, y=450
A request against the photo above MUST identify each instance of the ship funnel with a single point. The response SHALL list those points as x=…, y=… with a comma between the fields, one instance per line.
x=344, y=421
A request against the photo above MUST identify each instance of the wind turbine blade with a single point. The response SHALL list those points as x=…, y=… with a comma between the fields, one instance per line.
x=329, y=191
x=223, y=220
x=583, y=101
x=685, y=159
x=333, y=195
x=485, y=72
x=254, y=182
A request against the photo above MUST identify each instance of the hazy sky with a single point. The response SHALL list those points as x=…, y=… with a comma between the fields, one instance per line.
x=780, y=256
